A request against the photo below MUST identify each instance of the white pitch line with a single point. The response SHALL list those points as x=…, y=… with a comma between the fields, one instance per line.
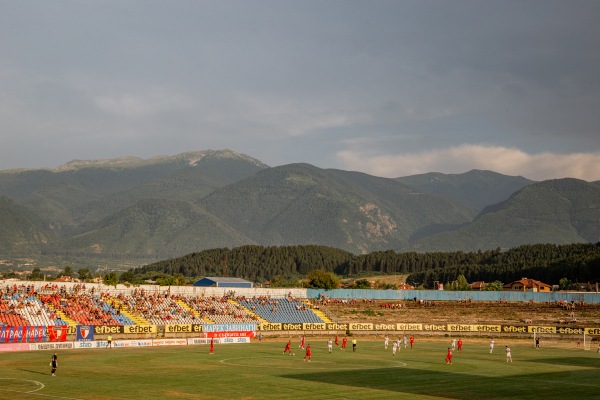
x=39, y=385
x=41, y=395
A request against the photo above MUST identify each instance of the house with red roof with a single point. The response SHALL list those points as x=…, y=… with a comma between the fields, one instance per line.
x=479, y=285
x=528, y=285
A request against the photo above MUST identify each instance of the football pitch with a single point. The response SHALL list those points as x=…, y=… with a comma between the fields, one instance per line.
x=261, y=371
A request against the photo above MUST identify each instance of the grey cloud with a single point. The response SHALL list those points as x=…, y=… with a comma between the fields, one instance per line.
x=306, y=79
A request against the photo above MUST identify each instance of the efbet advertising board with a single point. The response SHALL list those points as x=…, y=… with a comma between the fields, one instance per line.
x=183, y=328
x=322, y=326
x=429, y=328
x=127, y=329
x=8, y=335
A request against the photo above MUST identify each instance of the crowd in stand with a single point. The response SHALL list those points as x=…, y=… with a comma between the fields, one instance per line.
x=19, y=306
x=52, y=304
x=159, y=309
x=220, y=309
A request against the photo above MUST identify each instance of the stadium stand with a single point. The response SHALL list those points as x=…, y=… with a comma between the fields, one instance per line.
x=281, y=310
x=221, y=310
x=54, y=305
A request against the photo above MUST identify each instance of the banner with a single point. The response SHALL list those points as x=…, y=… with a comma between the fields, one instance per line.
x=85, y=333
x=541, y=329
x=225, y=340
x=133, y=343
x=248, y=334
x=101, y=344
x=292, y=327
x=14, y=347
x=409, y=327
x=108, y=329
x=228, y=327
x=179, y=328
x=6, y=333
x=312, y=326
x=34, y=334
x=140, y=329
x=332, y=326
x=271, y=326
x=514, y=329
x=16, y=334
x=169, y=342
x=385, y=327
x=228, y=330
x=458, y=328
x=357, y=326
x=51, y=346
x=592, y=331
x=57, y=333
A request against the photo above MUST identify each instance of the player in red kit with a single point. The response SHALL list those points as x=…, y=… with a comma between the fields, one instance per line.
x=449, y=356
x=412, y=341
x=308, y=353
x=336, y=340
x=288, y=348
x=344, y=341
x=212, y=345
x=459, y=343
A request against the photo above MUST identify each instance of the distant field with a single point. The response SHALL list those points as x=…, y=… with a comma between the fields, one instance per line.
x=388, y=279
x=383, y=279
x=261, y=371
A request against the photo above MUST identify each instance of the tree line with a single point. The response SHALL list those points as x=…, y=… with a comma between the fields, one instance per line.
x=285, y=264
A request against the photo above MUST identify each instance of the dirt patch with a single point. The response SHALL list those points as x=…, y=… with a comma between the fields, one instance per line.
x=463, y=312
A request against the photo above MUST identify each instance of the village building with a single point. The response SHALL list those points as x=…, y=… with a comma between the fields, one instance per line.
x=212, y=281
x=528, y=285
x=479, y=285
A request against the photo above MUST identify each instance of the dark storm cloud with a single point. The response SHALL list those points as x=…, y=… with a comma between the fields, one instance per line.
x=325, y=82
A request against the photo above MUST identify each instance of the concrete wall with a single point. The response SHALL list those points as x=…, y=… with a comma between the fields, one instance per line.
x=426, y=295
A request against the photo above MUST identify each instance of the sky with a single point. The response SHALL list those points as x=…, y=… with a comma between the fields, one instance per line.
x=389, y=88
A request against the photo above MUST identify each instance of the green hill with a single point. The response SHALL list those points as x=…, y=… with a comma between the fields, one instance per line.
x=22, y=232
x=154, y=229
x=169, y=206
x=556, y=211
x=476, y=188
x=190, y=183
x=83, y=192
x=300, y=204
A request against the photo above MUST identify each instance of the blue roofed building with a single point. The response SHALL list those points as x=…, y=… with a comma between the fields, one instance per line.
x=215, y=281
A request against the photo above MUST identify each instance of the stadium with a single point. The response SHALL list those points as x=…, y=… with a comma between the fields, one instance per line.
x=118, y=342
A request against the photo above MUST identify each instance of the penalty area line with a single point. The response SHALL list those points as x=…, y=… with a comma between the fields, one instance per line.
x=36, y=383
x=50, y=396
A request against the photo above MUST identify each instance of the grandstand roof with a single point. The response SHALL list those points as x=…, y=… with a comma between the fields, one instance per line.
x=217, y=281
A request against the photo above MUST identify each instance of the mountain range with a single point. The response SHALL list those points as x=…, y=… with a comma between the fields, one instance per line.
x=168, y=206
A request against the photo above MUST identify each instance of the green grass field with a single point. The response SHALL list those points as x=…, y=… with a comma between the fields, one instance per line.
x=261, y=371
